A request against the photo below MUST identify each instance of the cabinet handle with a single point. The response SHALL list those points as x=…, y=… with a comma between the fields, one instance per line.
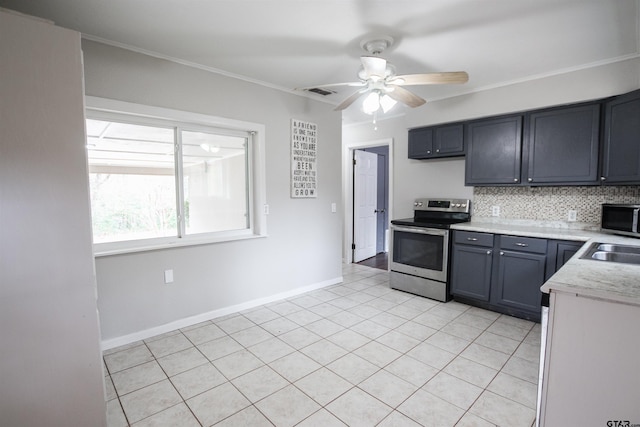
x=488, y=252
x=472, y=239
x=428, y=151
x=530, y=179
x=603, y=178
x=522, y=245
x=501, y=253
x=515, y=179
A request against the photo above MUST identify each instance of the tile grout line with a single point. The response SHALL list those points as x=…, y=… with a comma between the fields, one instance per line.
x=380, y=298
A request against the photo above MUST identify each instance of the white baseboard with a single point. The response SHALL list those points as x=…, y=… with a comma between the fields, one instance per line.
x=188, y=321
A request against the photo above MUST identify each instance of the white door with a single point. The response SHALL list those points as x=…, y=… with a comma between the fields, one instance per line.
x=365, y=204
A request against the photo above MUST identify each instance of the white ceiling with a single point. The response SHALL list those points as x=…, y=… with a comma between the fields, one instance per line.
x=296, y=43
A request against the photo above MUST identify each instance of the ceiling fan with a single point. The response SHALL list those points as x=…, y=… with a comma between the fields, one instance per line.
x=382, y=86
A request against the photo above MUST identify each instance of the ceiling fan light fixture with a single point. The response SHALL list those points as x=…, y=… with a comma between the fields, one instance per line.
x=382, y=87
x=387, y=103
x=371, y=103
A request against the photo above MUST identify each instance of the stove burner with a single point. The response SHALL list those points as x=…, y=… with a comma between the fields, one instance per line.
x=440, y=213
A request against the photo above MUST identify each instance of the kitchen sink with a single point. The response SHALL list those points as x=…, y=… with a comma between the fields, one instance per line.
x=608, y=247
x=613, y=253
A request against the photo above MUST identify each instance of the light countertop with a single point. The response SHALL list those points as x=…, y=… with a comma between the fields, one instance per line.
x=599, y=279
x=586, y=277
x=528, y=229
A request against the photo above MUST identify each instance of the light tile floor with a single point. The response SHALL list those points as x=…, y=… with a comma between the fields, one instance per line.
x=357, y=354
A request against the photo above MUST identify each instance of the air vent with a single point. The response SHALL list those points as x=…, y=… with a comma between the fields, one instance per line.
x=322, y=92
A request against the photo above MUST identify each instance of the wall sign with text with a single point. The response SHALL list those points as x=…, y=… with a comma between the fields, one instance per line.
x=304, y=137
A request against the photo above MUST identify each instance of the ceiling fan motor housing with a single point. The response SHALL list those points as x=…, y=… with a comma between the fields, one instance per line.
x=377, y=45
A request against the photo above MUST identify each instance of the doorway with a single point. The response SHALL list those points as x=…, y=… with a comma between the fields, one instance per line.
x=382, y=151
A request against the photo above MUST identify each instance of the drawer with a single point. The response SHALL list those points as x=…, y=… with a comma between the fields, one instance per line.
x=524, y=244
x=473, y=238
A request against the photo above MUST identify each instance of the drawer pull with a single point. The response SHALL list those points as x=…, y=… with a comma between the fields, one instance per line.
x=522, y=245
x=488, y=252
x=501, y=253
x=472, y=239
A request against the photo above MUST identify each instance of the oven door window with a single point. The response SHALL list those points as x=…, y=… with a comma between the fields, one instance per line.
x=418, y=250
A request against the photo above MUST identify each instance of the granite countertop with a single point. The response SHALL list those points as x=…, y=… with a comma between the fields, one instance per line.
x=545, y=230
x=586, y=277
x=599, y=279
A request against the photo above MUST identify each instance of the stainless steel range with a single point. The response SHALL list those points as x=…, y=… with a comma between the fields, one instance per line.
x=419, y=247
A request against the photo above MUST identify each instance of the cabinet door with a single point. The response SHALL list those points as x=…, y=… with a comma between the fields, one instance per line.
x=565, y=251
x=520, y=276
x=420, y=143
x=621, y=142
x=562, y=146
x=449, y=140
x=471, y=272
x=493, y=151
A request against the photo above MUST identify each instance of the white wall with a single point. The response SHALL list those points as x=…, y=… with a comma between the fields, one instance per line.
x=412, y=178
x=419, y=178
x=50, y=361
x=303, y=248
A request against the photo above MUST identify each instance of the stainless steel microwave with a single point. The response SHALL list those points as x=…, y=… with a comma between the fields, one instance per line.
x=620, y=219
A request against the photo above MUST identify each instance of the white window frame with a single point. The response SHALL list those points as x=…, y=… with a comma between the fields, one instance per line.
x=109, y=109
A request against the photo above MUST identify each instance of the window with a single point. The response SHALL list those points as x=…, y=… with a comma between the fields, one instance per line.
x=158, y=181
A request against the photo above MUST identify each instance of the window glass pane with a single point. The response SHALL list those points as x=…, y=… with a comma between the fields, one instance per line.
x=132, y=181
x=215, y=182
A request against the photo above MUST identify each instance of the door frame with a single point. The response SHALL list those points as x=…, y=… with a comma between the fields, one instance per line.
x=347, y=190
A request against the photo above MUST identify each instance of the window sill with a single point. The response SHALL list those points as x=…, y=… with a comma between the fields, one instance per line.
x=174, y=243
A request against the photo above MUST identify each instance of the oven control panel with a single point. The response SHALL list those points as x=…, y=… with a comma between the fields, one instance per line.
x=442, y=205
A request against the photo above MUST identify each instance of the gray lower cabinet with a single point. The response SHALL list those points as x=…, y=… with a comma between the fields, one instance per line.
x=520, y=275
x=471, y=269
x=504, y=273
x=558, y=253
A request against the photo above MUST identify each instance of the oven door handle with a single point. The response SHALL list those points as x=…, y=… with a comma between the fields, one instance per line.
x=430, y=231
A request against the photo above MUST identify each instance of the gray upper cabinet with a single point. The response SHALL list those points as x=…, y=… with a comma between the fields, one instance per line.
x=555, y=146
x=420, y=143
x=561, y=146
x=493, y=151
x=436, y=141
x=621, y=140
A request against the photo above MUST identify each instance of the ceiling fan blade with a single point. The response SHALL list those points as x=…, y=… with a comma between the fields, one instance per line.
x=354, y=84
x=431, y=78
x=374, y=66
x=402, y=95
x=350, y=100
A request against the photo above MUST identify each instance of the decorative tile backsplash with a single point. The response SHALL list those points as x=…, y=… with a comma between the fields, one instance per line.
x=549, y=203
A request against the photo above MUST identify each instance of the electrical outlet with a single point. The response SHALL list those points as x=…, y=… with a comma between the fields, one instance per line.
x=495, y=210
x=334, y=208
x=168, y=276
x=266, y=209
x=572, y=215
